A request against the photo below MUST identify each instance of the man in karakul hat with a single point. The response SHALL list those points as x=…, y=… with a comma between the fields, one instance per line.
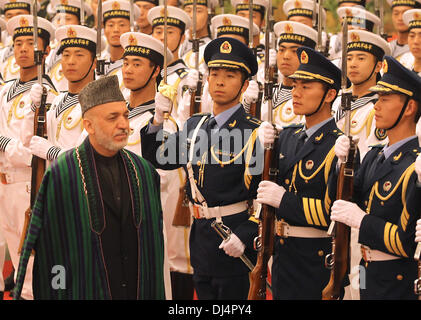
x=97, y=218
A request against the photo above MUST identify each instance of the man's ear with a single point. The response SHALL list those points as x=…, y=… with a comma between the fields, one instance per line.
x=330, y=96
x=245, y=86
x=87, y=125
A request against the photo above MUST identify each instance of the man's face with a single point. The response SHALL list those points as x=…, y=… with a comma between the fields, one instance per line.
x=397, y=13
x=76, y=62
x=108, y=127
x=360, y=64
x=9, y=14
x=414, y=42
x=306, y=96
x=287, y=59
x=136, y=71
x=114, y=28
x=23, y=48
x=257, y=17
x=225, y=85
x=387, y=109
x=305, y=20
x=144, y=7
x=201, y=15
x=62, y=19
x=174, y=36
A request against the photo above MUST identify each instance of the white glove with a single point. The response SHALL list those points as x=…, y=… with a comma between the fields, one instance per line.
x=272, y=57
x=266, y=133
x=270, y=193
x=43, y=148
x=183, y=110
x=342, y=146
x=252, y=93
x=192, y=79
x=418, y=231
x=233, y=246
x=348, y=213
x=35, y=94
x=418, y=167
x=162, y=105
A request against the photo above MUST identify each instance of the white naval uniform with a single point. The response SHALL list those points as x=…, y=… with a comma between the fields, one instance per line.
x=407, y=60
x=115, y=68
x=283, y=113
x=363, y=126
x=8, y=67
x=15, y=167
x=186, y=53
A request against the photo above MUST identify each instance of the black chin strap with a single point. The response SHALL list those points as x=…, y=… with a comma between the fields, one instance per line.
x=89, y=70
x=149, y=79
x=400, y=115
x=369, y=77
x=320, y=104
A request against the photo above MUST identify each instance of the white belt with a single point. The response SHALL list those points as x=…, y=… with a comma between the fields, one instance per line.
x=284, y=230
x=15, y=175
x=203, y=211
x=376, y=255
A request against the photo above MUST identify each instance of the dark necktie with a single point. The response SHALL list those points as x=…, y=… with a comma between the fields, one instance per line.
x=301, y=139
x=376, y=164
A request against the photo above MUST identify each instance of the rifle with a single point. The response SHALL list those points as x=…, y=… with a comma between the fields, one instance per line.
x=379, y=11
x=182, y=212
x=225, y=233
x=38, y=165
x=417, y=282
x=265, y=240
x=82, y=13
x=255, y=106
x=338, y=260
x=100, y=63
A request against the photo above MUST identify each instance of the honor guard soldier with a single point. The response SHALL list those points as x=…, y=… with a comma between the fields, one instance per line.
x=142, y=22
x=216, y=157
x=386, y=203
x=290, y=36
x=399, y=46
x=116, y=19
x=412, y=59
x=9, y=69
x=357, y=19
x=301, y=11
x=300, y=195
x=77, y=46
x=178, y=22
x=15, y=158
x=365, y=51
x=67, y=12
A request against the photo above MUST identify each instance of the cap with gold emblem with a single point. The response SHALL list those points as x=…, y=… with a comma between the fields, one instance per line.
x=22, y=25
x=314, y=66
x=224, y=24
x=118, y=9
x=412, y=18
x=404, y=3
x=176, y=17
x=16, y=4
x=77, y=36
x=359, y=17
x=230, y=53
x=362, y=40
x=295, y=32
x=398, y=79
x=143, y=45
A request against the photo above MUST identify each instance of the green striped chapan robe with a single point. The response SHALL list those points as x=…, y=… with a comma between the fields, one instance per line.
x=67, y=222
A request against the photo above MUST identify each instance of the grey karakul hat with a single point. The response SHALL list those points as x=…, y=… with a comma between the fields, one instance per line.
x=101, y=91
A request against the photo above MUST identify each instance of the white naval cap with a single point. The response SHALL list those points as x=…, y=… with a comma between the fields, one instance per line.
x=143, y=45
x=412, y=18
x=224, y=24
x=296, y=32
x=22, y=25
x=302, y=8
x=77, y=36
x=362, y=40
x=405, y=3
x=118, y=9
x=359, y=17
x=258, y=5
x=2, y=24
x=176, y=17
x=70, y=6
x=17, y=4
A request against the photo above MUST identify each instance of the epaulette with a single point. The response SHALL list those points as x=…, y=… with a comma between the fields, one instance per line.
x=254, y=120
x=337, y=132
x=379, y=145
x=181, y=72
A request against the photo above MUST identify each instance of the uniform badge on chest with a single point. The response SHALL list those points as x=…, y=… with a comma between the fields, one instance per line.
x=309, y=164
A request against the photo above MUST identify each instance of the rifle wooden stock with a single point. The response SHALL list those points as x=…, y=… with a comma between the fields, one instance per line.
x=342, y=233
x=182, y=212
x=266, y=238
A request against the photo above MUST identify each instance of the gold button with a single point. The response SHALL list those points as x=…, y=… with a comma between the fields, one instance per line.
x=382, y=203
x=366, y=203
x=306, y=181
x=281, y=241
x=286, y=181
x=399, y=277
x=320, y=253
